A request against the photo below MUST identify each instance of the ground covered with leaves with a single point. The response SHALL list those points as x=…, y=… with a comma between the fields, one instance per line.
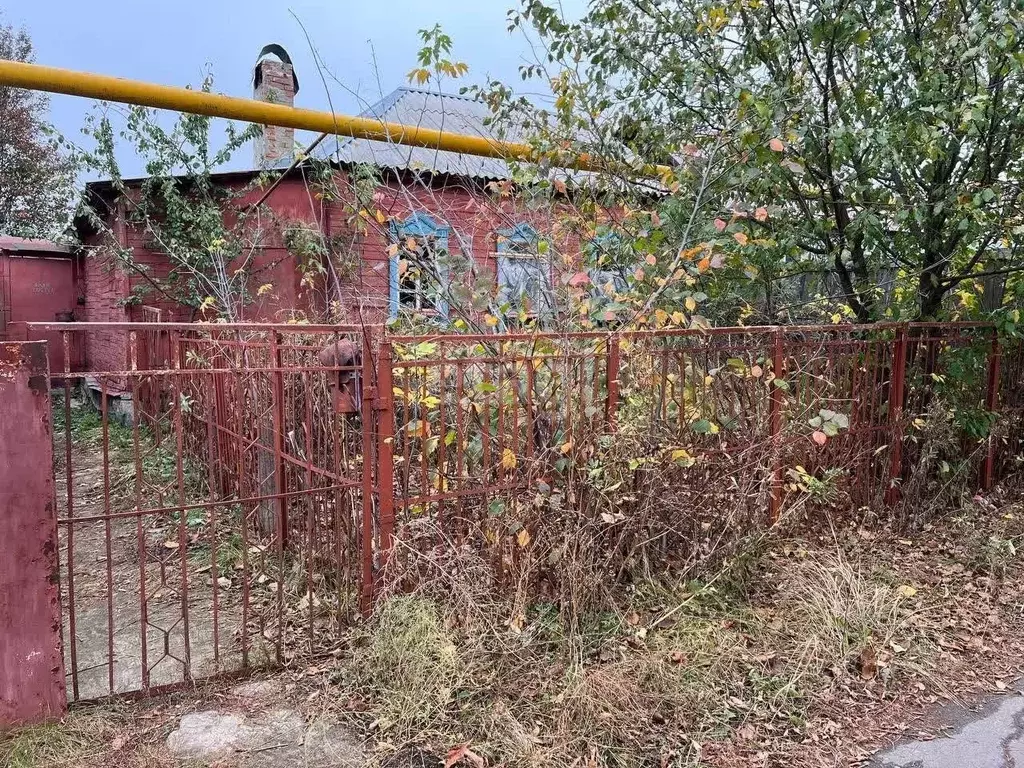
x=796, y=651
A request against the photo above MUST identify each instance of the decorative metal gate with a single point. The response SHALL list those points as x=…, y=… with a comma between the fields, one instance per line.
x=213, y=500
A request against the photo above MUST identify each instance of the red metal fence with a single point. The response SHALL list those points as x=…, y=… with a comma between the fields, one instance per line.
x=235, y=494
x=209, y=502
x=726, y=430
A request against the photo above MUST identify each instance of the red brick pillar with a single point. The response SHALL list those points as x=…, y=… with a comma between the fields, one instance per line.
x=31, y=661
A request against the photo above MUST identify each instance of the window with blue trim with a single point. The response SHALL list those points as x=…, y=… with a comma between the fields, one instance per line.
x=419, y=273
x=524, y=275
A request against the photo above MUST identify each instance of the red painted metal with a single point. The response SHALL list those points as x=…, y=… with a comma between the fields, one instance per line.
x=31, y=664
x=612, y=384
x=37, y=283
x=778, y=374
x=213, y=586
x=369, y=402
x=992, y=406
x=385, y=446
x=895, y=412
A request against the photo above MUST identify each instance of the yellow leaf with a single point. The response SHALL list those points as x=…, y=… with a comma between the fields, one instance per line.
x=678, y=318
x=905, y=590
x=490, y=320
x=393, y=249
x=566, y=447
x=380, y=216
x=523, y=537
x=410, y=243
x=364, y=214
x=265, y=288
x=691, y=303
x=660, y=316
x=508, y=459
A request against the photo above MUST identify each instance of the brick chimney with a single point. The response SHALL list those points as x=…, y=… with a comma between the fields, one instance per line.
x=275, y=81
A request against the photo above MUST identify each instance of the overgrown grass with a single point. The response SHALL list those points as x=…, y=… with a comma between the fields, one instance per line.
x=672, y=668
x=73, y=741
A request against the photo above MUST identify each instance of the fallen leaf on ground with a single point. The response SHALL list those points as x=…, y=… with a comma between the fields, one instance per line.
x=463, y=752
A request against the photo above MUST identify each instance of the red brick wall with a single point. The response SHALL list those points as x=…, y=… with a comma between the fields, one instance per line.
x=106, y=287
x=276, y=85
x=363, y=296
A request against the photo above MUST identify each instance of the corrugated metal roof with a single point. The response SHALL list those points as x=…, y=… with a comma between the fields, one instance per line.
x=428, y=109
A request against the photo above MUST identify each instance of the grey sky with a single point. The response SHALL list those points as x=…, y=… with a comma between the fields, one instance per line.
x=169, y=42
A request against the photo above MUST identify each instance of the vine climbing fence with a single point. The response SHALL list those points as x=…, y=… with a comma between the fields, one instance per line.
x=229, y=496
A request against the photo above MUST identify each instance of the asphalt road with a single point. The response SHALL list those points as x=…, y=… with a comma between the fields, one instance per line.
x=989, y=737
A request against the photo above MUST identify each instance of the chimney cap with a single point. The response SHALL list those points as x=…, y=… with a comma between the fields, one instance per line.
x=282, y=54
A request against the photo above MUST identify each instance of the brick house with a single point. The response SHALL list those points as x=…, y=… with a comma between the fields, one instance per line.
x=436, y=199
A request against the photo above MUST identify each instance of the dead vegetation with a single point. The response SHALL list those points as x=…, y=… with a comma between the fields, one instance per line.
x=789, y=650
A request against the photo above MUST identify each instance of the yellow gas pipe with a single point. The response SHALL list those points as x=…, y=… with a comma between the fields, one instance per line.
x=72, y=83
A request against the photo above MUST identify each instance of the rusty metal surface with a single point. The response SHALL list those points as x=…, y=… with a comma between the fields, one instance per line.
x=211, y=505
x=240, y=494
x=31, y=667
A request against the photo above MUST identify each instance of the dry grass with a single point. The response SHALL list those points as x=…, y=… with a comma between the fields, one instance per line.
x=836, y=616
x=83, y=738
x=670, y=668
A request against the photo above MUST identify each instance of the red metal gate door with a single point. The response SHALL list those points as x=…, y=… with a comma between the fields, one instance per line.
x=31, y=665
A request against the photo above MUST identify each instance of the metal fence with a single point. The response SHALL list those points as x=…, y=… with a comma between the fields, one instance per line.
x=235, y=495
x=726, y=429
x=209, y=503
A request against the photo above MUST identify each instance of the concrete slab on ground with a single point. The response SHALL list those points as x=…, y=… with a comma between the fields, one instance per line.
x=278, y=738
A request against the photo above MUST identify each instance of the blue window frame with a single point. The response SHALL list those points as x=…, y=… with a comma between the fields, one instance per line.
x=524, y=276
x=411, y=290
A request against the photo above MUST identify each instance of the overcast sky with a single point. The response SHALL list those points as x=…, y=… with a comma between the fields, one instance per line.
x=170, y=41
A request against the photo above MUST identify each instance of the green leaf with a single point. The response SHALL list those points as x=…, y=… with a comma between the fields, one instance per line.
x=701, y=426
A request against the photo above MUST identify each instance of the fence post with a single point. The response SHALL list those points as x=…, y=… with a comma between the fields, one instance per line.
x=278, y=417
x=775, y=502
x=896, y=390
x=31, y=659
x=368, y=423
x=991, y=404
x=385, y=450
x=611, y=406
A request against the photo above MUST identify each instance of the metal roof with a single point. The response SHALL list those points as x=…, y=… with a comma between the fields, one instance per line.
x=429, y=109
x=33, y=245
